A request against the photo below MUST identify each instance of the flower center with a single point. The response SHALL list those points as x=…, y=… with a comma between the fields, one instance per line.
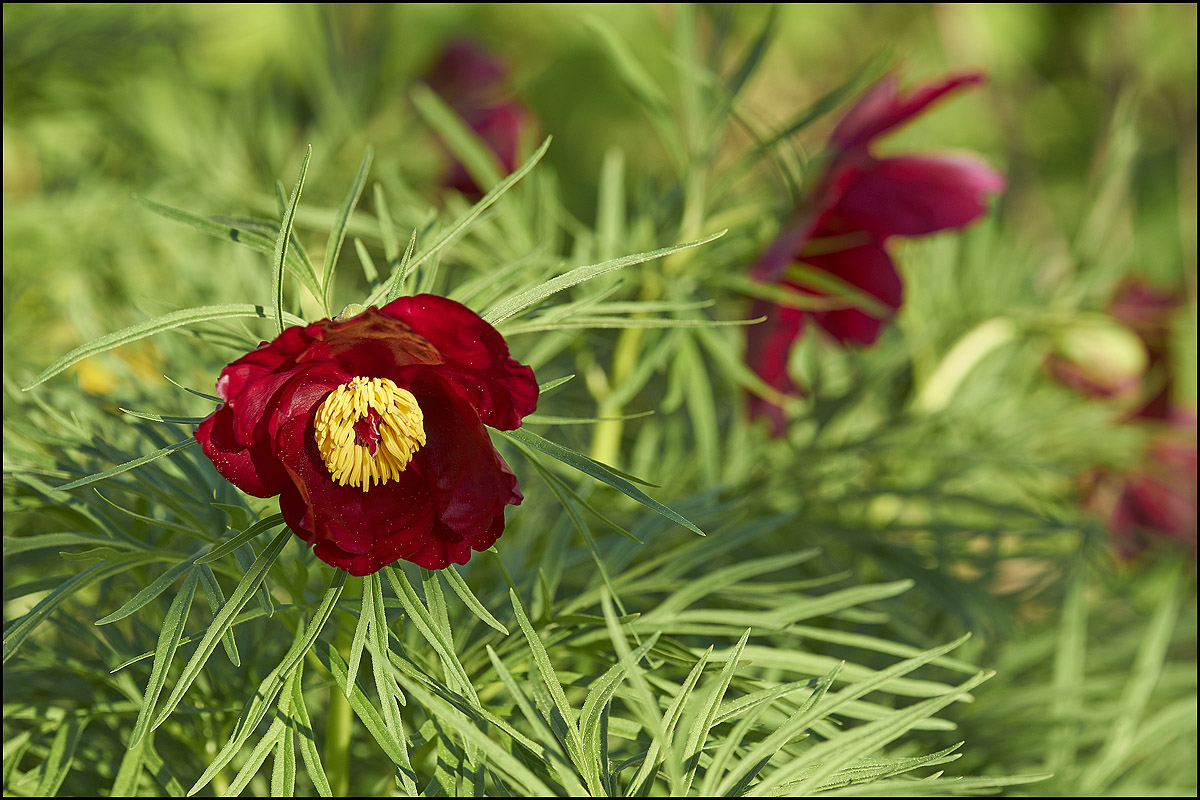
x=368, y=429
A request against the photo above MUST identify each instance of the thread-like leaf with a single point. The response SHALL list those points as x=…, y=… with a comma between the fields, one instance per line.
x=522, y=300
x=461, y=224
x=599, y=471
x=282, y=242
x=229, y=545
x=241, y=595
x=166, y=322
x=168, y=643
x=469, y=599
x=337, y=234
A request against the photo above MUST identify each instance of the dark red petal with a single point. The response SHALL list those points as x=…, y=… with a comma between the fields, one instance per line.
x=255, y=469
x=882, y=108
x=915, y=195
x=374, y=344
x=348, y=527
x=500, y=126
x=446, y=547
x=302, y=395
x=768, y=346
x=465, y=75
x=468, y=479
x=283, y=352
x=870, y=269
x=476, y=358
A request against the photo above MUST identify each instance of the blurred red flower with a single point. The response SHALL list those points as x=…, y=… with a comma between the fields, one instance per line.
x=472, y=82
x=858, y=202
x=1156, y=500
x=371, y=431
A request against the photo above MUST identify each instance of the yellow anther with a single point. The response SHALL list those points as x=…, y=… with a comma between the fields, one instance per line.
x=392, y=429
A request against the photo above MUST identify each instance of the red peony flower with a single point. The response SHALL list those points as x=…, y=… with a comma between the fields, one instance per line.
x=472, y=83
x=371, y=431
x=857, y=204
x=1154, y=502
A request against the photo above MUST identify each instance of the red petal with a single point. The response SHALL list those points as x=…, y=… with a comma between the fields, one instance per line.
x=476, y=358
x=446, y=547
x=914, y=196
x=375, y=344
x=255, y=469
x=468, y=479
x=882, y=108
x=768, y=346
x=870, y=269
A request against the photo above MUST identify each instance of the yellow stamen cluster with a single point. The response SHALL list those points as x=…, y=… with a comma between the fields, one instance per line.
x=401, y=431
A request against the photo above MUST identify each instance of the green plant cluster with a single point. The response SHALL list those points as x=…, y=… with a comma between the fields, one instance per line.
x=902, y=596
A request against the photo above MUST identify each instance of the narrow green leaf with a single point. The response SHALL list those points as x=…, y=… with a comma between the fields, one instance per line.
x=128, y=465
x=469, y=599
x=308, y=741
x=168, y=643
x=664, y=745
x=23, y=544
x=283, y=769
x=57, y=764
x=599, y=471
x=337, y=234
x=460, y=225
x=216, y=600
x=385, y=686
x=166, y=322
x=368, y=265
x=366, y=617
x=20, y=628
x=591, y=721
x=147, y=594
x=562, y=765
x=272, y=685
x=624, y=322
x=387, y=232
x=364, y=709
x=162, y=418
x=258, y=235
x=545, y=668
x=705, y=719
x=548, y=385
x=834, y=754
x=529, y=297
x=269, y=741
x=420, y=617
x=1142, y=680
x=284, y=238
x=400, y=275
x=129, y=772
x=243, y=537
x=464, y=143
x=498, y=758
x=241, y=595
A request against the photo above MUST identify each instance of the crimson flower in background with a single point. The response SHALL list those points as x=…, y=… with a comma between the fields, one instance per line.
x=1156, y=500
x=472, y=82
x=371, y=431
x=857, y=204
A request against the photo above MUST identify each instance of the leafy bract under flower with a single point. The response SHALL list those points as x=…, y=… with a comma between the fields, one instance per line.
x=371, y=431
x=857, y=204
